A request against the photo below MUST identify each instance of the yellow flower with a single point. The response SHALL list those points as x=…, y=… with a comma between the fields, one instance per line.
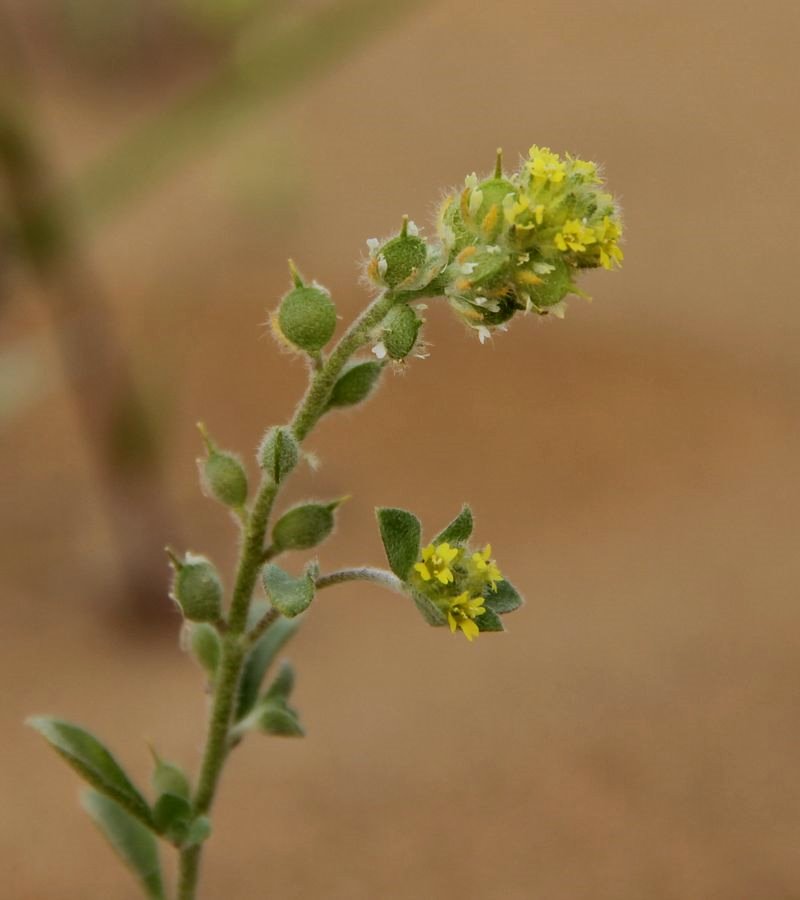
x=436, y=563
x=483, y=565
x=574, y=235
x=462, y=612
x=609, y=232
x=546, y=165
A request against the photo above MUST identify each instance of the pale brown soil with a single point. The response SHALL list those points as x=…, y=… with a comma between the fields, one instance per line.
x=635, y=733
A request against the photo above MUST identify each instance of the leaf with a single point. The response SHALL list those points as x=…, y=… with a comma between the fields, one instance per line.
x=504, y=600
x=280, y=720
x=135, y=844
x=489, y=621
x=172, y=816
x=199, y=831
x=459, y=530
x=205, y=643
x=355, y=384
x=430, y=612
x=92, y=761
x=259, y=661
x=289, y=595
x=281, y=687
x=400, y=531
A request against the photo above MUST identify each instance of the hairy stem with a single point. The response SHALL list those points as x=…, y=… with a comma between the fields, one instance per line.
x=236, y=642
x=362, y=573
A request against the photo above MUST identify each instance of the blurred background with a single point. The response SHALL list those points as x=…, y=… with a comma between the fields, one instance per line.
x=635, y=467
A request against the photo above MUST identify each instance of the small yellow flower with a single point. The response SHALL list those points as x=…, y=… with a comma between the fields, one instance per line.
x=574, y=235
x=462, y=612
x=546, y=165
x=437, y=563
x=486, y=567
x=608, y=233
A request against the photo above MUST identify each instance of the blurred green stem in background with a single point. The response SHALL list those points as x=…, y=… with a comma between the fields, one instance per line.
x=263, y=68
x=43, y=218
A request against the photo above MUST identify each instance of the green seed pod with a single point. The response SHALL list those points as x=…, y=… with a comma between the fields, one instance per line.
x=554, y=287
x=307, y=315
x=401, y=328
x=487, y=209
x=279, y=453
x=196, y=588
x=304, y=526
x=505, y=309
x=222, y=474
x=355, y=384
x=400, y=258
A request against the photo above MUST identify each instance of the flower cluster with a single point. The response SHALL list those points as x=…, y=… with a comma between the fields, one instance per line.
x=517, y=242
x=457, y=582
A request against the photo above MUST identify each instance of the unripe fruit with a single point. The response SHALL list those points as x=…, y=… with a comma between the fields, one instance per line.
x=196, y=588
x=307, y=317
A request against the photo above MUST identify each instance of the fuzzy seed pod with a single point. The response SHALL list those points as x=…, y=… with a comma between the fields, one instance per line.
x=279, y=453
x=307, y=317
x=401, y=328
x=196, y=588
x=222, y=474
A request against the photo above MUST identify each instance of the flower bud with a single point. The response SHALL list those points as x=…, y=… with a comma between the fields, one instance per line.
x=279, y=453
x=355, y=384
x=196, y=588
x=307, y=316
x=304, y=526
x=222, y=474
x=400, y=259
x=401, y=328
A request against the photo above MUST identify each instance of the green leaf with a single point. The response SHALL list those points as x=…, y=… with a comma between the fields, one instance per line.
x=289, y=595
x=459, y=530
x=133, y=842
x=281, y=687
x=430, y=612
x=205, y=643
x=280, y=720
x=259, y=661
x=400, y=531
x=489, y=621
x=304, y=526
x=355, y=384
x=172, y=816
x=504, y=600
x=92, y=761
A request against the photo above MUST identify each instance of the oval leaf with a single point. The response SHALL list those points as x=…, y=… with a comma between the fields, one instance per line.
x=259, y=661
x=289, y=595
x=400, y=531
x=459, y=530
x=489, y=621
x=92, y=761
x=133, y=842
x=504, y=600
x=280, y=720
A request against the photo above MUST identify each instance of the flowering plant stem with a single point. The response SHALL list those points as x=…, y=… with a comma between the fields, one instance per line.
x=235, y=641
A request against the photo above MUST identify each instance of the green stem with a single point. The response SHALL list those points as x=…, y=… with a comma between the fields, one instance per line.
x=319, y=390
x=235, y=642
x=362, y=573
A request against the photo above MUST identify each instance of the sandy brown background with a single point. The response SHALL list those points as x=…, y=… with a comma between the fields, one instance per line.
x=635, y=735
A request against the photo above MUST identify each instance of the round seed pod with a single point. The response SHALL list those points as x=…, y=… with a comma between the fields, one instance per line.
x=554, y=287
x=307, y=317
